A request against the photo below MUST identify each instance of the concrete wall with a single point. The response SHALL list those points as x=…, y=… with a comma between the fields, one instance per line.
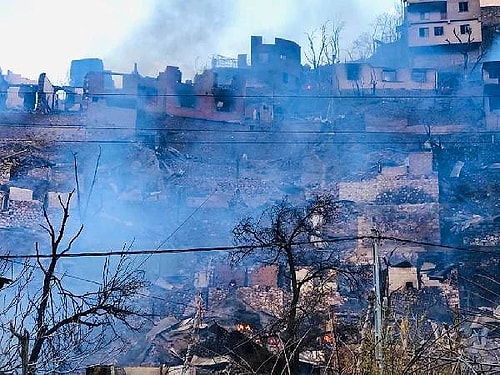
x=277, y=65
x=53, y=199
x=448, y=37
x=400, y=277
x=346, y=78
x=18, y=194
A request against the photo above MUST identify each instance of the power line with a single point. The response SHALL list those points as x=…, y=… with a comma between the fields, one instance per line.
x=237, y=129
x=243, y=247
x=284, y=96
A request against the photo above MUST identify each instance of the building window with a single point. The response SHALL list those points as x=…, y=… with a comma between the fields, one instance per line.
x=282, y=57
x=389, y=75
x=494, y=72
x=494, y=103
x=285, y=77
x=444, y=15
x=419, y=75
x=463, y=6
x=423, y=32
x=263, y=58
x=438, y=31
x=425, y=15
x=465, y=29
x=353, y=72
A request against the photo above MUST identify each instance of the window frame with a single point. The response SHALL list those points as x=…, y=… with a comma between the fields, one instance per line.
x=463, y=6
x=438, y=30
x=353, y=72
x=423, y=32
x=464, y=29
x=389, y=75
x=419, y=75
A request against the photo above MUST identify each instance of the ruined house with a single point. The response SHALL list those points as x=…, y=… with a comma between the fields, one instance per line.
x=276, y=65
x=401, y=201
x=209, y=96
x=402, y=276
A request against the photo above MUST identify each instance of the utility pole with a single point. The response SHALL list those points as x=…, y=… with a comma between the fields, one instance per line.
x=378, y=302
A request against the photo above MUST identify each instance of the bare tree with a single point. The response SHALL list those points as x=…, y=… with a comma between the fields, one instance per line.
x=52, y=326
x=467, y=45
x=324, y=44
x=383, y=30
x=362, y=47
x=385, y=27
x=290, y=236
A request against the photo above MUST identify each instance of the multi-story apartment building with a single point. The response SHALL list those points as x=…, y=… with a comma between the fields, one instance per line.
x=444, y=22
x=443, y=32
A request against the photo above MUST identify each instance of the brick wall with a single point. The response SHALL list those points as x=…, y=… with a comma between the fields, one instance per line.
x=268, y=300
x=266, y=276
x=22, y=215
x=368, y=191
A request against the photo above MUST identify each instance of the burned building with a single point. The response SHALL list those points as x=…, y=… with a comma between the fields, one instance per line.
x=401, y=201
x=363, y=78
x=402, y=276
x=277, y=65
x=210, y=96
x=80, y=68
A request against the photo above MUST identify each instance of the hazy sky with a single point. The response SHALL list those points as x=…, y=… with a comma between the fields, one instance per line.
x=45, y=35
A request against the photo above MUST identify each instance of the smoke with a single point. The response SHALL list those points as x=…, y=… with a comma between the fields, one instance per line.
x=157, y=33
x=177, y=32
x=188, y=33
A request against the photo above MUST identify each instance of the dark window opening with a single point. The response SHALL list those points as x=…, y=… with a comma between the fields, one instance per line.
x=423, y=32
x=419, y=76
x=388, y=75
x=353, y=72
x=444, y=15
x=463, y=6
x=494, y=103
x=494, y=71
x=186, y=97
x=439, y=30
x=465, y=29
x=409, y=285
x=224, y=99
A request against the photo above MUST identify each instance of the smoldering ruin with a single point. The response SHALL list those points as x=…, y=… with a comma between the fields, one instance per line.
x=166, y=168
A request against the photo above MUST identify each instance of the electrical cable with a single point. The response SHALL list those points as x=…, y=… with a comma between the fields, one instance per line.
x=493, y=251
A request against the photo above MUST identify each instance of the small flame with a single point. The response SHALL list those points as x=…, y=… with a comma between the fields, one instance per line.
x=328, y=339
x=243, y=327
